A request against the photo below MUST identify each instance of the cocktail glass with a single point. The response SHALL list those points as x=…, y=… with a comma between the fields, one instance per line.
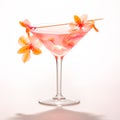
x=59, y=40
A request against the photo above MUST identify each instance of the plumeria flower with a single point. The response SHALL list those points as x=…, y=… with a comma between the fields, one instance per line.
x=82, y=21
x=27, y=25
x=28, y=44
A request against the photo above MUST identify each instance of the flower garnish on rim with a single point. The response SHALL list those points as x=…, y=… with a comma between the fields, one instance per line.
x=26, y=24
x=29, y=43
x=82, y=21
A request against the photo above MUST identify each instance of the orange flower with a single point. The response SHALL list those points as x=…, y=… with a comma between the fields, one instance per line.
x=28, y=44
x=26, y=24
x=82, y=22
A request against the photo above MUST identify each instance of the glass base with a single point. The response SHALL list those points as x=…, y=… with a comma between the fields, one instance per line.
x=59, y=102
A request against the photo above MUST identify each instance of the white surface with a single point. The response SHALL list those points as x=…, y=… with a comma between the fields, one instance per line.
x=91, y=70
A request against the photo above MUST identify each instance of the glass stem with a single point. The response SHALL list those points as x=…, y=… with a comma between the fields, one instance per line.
x=59, y=95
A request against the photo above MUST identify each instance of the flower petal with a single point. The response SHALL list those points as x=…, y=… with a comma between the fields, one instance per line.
x=28, y=31
x=35, y=41
x=25, y=23
x=93, y=25
x=32, y=38
x=83, y=18
x=22, y=40
x=36, y=51
x=95, y=28
x=26, y=56
x=77, y=20
x=23, y=49
x=22, y=24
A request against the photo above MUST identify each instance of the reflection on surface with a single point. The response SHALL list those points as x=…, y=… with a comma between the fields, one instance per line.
x=57, y=114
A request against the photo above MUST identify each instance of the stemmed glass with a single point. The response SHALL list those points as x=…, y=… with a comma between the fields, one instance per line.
x=59, y=40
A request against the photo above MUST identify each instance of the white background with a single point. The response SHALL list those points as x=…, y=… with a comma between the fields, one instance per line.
x=91, y=70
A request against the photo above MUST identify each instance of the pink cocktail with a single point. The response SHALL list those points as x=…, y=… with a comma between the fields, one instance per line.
x=59, y=40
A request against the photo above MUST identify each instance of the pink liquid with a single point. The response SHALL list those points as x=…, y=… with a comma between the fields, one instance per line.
x=58, y=39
